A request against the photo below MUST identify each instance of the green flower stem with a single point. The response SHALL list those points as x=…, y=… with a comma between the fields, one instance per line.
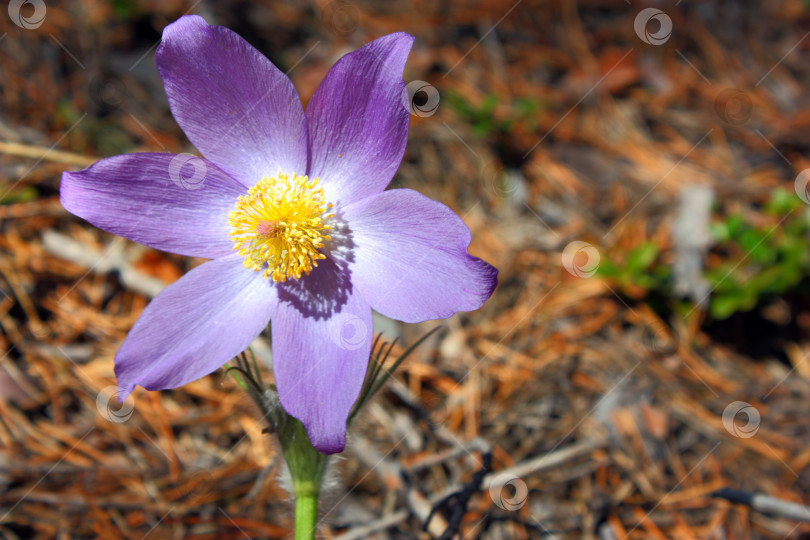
x=306, y=516
x=306, y=466
x=305, y=463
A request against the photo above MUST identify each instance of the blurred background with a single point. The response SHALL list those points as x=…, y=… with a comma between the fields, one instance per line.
x=637, y=171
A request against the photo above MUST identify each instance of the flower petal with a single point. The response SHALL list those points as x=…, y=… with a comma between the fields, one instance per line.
x=234, y=105
x=176, y=203
x=322, y=335
x=195, y=325
x=411, y=260
x=357, y=123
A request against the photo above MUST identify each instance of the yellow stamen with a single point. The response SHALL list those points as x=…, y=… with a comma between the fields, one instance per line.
x=279, y=226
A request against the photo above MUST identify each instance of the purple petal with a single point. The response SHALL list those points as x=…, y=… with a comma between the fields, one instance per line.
x=234, y=105
x=411, y=260
x=176, y=203
x=358, y=125
x=322, y=335
x=195, y=325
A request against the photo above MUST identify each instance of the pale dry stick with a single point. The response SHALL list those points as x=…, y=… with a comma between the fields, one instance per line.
x=40, y=152
x=391, y=474
x=544, y=462
x=391, y=520
x=765, y=504
x=43, y=155
x=64, y=247
x=384, y=523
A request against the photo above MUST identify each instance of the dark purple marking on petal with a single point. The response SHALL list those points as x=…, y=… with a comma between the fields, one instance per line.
x=322, y=335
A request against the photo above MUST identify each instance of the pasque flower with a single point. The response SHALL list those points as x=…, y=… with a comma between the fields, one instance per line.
x=292, y=208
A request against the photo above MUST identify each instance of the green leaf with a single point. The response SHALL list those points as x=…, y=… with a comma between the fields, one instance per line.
x=782, y=202
x=607, y=269
x=374, y=381
x=19, y=195
x=723, y=306
x=720, y=231
x=642, y=257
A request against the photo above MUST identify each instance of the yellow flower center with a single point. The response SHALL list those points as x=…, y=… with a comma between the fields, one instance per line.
x=279, y=226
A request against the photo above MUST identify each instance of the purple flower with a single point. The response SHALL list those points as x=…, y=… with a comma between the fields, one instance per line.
x=291, y=207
